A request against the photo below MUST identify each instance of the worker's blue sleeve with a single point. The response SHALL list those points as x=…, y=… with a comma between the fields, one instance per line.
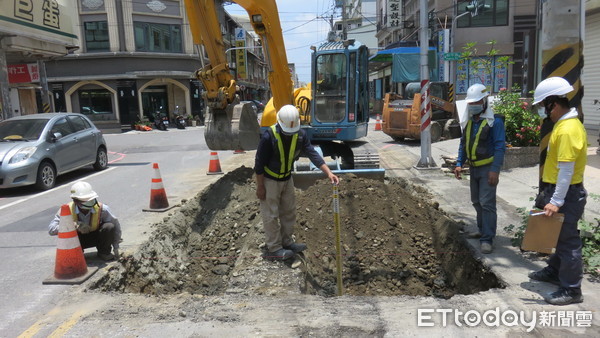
x=263, y=153
x=462, y=153
x=498, y=144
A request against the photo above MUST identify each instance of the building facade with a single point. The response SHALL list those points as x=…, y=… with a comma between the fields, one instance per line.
x=137, y=61
x=511, y=24
x=32, y=32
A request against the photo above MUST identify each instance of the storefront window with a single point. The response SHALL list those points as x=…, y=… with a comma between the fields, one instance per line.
x=95, y=102
x=96, y=36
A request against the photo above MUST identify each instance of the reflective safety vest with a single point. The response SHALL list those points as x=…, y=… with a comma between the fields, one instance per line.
x=94, y=218
x=280, y=165
x=477, y=148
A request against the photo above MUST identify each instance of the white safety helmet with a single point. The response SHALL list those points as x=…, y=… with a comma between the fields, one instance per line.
x=82, y=191
x=288, y=119
x=476, y=92
x=552, y=86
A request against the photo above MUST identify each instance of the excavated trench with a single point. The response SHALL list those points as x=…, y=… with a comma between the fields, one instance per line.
x=395, y=241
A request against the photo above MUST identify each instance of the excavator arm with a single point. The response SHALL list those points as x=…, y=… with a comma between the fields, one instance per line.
x=231, y=125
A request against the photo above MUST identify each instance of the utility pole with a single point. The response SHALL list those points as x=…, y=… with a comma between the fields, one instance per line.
x=561, y=49
x=344, y=28
x=426, y=160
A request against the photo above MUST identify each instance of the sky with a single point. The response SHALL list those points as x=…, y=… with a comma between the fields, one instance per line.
x=301, y=27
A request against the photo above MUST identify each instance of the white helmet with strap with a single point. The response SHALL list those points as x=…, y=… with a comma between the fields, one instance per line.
x=82, y=191
x=552, y=86
x=288, y=119
x=476, y=92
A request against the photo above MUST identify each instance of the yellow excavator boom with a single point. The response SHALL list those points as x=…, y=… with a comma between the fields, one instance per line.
x=229, y=124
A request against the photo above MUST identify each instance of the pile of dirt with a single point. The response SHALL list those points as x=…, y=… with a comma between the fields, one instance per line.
x=395, y=242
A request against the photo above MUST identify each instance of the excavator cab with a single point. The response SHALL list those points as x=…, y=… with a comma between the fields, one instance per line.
x=340, y=95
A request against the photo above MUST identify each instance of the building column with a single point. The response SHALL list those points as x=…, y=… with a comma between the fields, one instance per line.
x=187, y=33
x=113, y=23
x=4, y=87
x=128, y=25
x=46, y=106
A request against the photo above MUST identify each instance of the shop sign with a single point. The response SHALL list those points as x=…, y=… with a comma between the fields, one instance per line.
x=23, y=73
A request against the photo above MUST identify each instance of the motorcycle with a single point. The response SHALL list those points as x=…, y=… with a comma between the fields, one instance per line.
x=180, y=122
x=160, y=123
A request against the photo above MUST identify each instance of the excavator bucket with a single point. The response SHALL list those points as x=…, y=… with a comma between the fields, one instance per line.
x=233, y=128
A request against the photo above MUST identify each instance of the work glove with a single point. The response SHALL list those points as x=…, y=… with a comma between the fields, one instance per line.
x=84, y=229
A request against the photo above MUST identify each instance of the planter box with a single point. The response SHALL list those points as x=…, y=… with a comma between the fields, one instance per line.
x=516, y=157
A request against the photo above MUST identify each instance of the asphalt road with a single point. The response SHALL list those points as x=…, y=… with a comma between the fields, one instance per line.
x=28, y=252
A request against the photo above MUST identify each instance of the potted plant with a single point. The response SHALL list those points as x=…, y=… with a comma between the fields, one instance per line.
x=522, y=128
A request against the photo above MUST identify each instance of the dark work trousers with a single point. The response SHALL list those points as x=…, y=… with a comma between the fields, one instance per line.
x=566, y=262
x=102, y=239
x=483, y=197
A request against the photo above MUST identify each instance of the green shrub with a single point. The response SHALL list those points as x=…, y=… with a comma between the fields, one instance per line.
x=521, y=122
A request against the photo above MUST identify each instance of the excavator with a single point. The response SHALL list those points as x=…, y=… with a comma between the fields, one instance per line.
x=334, y=109
x=402, y=113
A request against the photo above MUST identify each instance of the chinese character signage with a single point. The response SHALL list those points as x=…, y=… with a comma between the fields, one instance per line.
x=467, y=75
x=40, y=19
x=394, y=13
x=240, y=59
x=23, y=73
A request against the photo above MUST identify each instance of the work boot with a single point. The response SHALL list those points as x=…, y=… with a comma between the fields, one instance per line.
x=564, y=296
x=486, y=248
x=280, y=255
x=106, y=257
x=544, y=275
x=474, y=234
x=296, y=247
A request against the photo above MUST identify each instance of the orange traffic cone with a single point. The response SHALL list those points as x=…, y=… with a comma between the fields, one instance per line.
x=158, y=195
x=70, y=267
x=214, y=166
x=378, y=123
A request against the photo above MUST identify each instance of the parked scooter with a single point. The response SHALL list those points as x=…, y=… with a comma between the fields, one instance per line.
x=180, y=122
x=159, y=122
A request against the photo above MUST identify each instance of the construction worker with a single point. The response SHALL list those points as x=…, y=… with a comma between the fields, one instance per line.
x=562, y=189
x=96, y=225
x=279, y=147
x=482, y=144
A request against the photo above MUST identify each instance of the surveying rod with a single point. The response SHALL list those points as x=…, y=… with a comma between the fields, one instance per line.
x=338, y=244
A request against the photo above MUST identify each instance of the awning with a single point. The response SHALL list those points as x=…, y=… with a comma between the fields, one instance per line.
x=387, y=55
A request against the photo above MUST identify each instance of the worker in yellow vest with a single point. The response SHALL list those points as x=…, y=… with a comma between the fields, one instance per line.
x=562, y=189
x=482, y=145
x=278, y=148
x=96, y=225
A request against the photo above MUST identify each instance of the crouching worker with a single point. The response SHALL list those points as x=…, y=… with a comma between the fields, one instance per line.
x=277, y=150
x=96, y=225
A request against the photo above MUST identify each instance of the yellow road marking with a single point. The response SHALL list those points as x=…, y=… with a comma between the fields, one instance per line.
x=66, y=326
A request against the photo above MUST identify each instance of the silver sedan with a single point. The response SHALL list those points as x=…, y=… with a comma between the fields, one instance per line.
x=35, y=149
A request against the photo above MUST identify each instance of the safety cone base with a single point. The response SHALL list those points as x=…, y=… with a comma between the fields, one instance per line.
x=71, y=281
x=214, y=173
x=160, y=210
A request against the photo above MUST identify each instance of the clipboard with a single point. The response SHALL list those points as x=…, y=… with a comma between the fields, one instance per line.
x=541, y=234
